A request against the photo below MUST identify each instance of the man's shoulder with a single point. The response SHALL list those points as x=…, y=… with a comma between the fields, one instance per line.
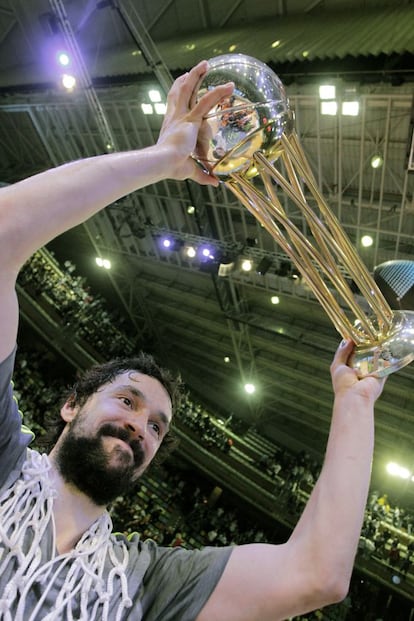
x=133, y=542
x=143, y=551
x=19, y=470
x=149, y=552
x=6, y=370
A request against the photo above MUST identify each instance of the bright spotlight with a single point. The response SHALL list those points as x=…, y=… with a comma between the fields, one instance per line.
x=329, y=108
x=190, y=252
x=147, y=108
x=170, y=243
x=246, y=265
x=392, y=468
x=155, y=96
x=398, y=471
x=327, y=91
x=160, y=108
x=249, y=388
x=367, y=241
x=350, y=108
x=207, y=253
x=68, y=81
x=63, y=59
x=105, y=263
x=377, y=161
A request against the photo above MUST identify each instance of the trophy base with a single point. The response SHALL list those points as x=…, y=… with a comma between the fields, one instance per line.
x=394, y=351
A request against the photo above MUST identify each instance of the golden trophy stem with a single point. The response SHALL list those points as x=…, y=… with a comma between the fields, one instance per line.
x=328, y=255
x=252, y=199
x=355, y=267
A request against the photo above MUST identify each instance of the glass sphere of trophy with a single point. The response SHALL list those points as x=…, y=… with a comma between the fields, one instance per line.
x=252, y=135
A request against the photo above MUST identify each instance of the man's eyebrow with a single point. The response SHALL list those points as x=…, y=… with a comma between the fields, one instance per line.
x=164, y=419
x=140, y=395
x=131, y=389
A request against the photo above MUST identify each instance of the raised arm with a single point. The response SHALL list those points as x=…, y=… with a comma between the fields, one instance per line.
x=34, y=211
x=272, y=582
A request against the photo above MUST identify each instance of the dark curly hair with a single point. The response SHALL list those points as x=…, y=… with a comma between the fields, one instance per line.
x=101, y=374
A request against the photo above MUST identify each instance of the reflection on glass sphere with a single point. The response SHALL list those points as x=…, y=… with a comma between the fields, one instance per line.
x=253, y=118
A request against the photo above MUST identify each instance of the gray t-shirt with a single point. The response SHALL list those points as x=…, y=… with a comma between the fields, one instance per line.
x=107, y=576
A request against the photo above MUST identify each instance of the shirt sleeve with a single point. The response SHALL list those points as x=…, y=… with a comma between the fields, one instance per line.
x=14, y=436
x=178, y=582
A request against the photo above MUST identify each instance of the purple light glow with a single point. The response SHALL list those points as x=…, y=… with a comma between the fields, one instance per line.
x=63, y=59
x=206, y=252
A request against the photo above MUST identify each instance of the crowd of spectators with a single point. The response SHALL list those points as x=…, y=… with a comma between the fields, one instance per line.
x=171, y=505
x=211, y=432
x=83, y=315
x=388, y=531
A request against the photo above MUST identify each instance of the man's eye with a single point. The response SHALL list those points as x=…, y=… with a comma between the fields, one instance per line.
x=156, y=428
x=127, y=401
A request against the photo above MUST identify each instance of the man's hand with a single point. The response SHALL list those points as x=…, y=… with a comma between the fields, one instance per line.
x=183, y=131
x=345, y=380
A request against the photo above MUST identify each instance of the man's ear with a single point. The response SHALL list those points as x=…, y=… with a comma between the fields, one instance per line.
x=68, y=411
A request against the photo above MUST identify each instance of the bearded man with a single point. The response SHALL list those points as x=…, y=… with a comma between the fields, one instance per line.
x=58, y=557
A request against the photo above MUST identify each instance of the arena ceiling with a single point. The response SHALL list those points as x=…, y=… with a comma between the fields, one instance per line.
x=181, y=309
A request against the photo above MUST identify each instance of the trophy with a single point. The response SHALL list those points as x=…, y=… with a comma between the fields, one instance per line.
x=254, y=149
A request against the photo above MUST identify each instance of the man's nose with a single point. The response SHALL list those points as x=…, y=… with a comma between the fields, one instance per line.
x=137, y=425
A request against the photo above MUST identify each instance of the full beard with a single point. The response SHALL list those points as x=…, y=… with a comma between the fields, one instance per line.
x=83, y=462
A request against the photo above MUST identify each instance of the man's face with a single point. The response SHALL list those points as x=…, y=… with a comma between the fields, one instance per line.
x=109, y=441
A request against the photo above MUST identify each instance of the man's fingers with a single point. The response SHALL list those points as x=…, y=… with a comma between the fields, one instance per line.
x=343, y=352
x=204, y=178
x=181, y=92
x=180, y=97
x=211, y=99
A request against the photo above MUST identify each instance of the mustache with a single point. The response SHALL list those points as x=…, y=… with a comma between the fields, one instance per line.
x=123, y=434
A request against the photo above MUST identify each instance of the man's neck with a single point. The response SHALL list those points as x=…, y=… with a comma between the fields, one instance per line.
x=73, y=512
